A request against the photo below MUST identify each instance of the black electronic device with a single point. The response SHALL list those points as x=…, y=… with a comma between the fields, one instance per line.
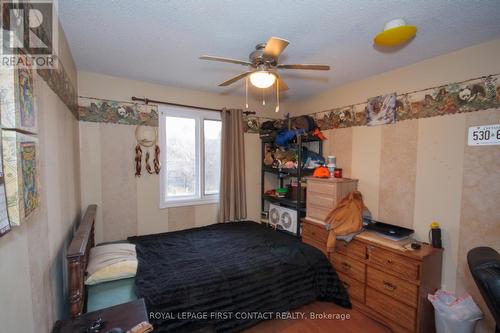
x=386, y=229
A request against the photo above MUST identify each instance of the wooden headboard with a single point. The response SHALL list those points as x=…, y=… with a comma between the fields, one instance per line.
x=77, y=259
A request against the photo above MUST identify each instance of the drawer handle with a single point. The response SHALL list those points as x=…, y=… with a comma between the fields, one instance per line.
x=389, y=286
x=369, y=249
x=346, y=285
x=346, y=265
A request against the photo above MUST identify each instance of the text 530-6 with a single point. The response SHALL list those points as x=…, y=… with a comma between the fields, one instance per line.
x=484, y=135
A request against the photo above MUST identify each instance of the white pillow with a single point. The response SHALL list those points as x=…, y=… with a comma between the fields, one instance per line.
x=111, y=262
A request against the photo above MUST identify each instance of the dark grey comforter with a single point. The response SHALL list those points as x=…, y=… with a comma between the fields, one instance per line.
x=221, y=277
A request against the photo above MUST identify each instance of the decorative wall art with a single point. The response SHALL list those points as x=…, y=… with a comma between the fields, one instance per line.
x=19, y=182
x=147, y=137
x=105, y=111
x=20, y=153
x=29, y=176
x=18, y=103
x=381, y=110
x=467, y=96
x=26, y=99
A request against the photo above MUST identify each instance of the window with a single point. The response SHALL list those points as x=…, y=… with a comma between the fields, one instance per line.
x=190, y=142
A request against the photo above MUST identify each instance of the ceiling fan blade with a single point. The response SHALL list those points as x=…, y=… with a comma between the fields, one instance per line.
x=234, y=79
x=275, y=46
x=282, y=85
x=304, y=66
x=229, y=60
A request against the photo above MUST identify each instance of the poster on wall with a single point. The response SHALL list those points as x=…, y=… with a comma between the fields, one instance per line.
x=17, y=99
x=21, y=175
x=29, y=178
x=381, y=110
x=26, y=100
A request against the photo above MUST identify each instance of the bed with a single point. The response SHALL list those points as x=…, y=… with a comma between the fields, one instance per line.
x=218, y=278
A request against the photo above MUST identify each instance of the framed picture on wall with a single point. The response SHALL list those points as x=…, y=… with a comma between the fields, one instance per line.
x=17, y=97
x=27, y=117
x=381, y=110
x=20, y=156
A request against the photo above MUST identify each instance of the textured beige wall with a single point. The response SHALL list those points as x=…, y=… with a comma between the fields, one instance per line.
x=366, y=155
x=397, y=173
x=32, y=256
x=480, y=216
x=130, y=205
x=417, y=171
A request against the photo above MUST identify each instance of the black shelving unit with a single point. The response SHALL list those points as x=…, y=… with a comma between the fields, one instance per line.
x=297, y=203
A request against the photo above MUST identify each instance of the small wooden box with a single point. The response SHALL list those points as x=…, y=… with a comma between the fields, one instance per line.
x=323, y=194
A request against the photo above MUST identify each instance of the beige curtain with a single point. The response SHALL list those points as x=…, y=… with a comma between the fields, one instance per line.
x=233, y=205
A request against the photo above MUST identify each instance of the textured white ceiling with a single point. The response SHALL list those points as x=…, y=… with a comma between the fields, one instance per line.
x=159, y=41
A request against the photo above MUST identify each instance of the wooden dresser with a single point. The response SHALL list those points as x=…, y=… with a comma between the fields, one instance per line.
x=384, y=281
x=323, y=194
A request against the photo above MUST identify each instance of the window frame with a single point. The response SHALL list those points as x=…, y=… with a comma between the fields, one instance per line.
x=199, y=198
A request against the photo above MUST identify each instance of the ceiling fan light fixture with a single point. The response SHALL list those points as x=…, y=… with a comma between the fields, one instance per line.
x=262, y=79
x=395, y=32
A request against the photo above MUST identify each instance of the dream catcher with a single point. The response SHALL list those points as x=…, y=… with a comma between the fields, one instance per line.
x=146, y=137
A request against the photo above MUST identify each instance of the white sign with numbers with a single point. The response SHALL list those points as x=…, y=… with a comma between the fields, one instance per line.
x=484, y=135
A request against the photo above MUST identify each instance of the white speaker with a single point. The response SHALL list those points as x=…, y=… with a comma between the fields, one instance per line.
x=283, y=218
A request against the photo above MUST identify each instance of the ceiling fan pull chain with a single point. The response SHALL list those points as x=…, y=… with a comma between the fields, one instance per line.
x=277, y=96
x=246, y=92
x=263, y=97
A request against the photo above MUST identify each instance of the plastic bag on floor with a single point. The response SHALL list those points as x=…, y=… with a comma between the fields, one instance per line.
x=454, y=315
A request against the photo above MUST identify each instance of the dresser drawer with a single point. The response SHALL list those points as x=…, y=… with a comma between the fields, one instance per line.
x=355, y=289
x=354, y=249
x=315, y=231
x=392, y=309
x=317, y=212
x=390, y=285
x=322, y=187
x=321, y=200
x=349, y=266
x=314, y=242
x=394, y=263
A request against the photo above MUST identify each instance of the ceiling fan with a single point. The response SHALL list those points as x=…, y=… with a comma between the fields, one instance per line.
x=264, y=65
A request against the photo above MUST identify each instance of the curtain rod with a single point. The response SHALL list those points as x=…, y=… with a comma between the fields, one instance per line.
x=147, y=101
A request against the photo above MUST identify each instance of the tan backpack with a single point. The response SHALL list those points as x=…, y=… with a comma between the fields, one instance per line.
x=345, y=218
